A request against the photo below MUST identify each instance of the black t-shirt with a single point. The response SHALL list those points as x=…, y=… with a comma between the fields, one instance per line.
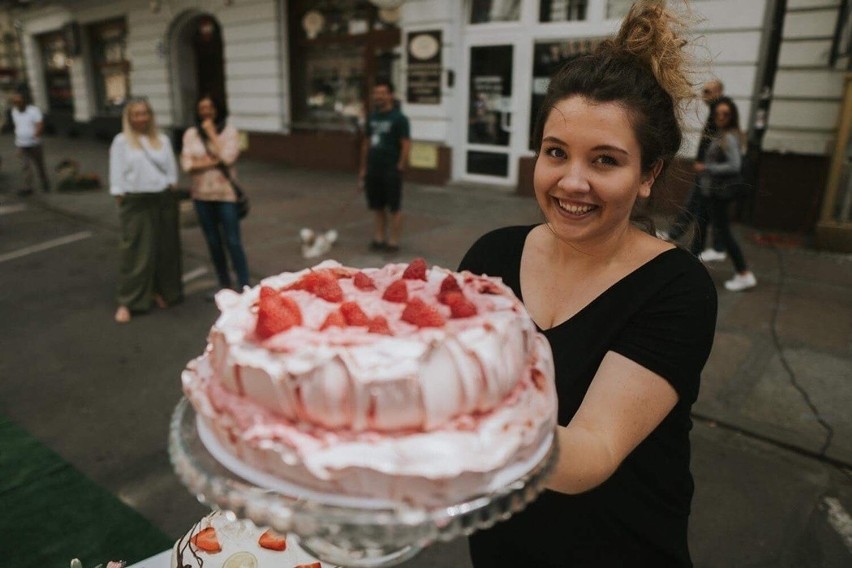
x=663, y=317
x=386, y=131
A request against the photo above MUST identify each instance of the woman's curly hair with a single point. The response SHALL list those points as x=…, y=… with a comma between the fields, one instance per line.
x=644, y=69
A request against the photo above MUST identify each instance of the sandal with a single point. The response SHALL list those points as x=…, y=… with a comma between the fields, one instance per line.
x=377, y=245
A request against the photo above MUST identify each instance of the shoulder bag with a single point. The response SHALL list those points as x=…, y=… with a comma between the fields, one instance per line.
x=726, y=186
x=243, y=204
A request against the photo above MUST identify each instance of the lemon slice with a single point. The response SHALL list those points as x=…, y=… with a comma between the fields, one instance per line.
x=241, y=560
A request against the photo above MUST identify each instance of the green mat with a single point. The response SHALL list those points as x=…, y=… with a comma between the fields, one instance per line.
x=52, y=513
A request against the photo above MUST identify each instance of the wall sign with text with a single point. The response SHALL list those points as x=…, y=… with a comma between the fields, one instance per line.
x=424, y=68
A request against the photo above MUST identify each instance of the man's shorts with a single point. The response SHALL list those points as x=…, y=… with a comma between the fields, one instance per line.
x=384, y=190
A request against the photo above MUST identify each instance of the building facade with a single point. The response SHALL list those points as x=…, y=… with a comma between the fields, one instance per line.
x=470, y=74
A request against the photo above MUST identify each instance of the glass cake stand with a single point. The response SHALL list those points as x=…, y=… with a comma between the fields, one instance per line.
x=358, y=537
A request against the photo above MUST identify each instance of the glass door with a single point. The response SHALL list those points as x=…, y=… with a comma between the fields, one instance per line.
x=489, y=127
x=494, y=133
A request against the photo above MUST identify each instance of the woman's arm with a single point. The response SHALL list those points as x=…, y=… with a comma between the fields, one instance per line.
x=189, y=161
x=624, y=404
x=117, y=165
x=171, y=163
x=229, y=145
x=733, y=158
x=213, y=143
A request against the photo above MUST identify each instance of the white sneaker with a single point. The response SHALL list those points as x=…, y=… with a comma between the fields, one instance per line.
x=711, y=255
x=741, y=282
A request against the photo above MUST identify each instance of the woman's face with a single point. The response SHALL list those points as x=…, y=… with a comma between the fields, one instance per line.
x=588, y=171
x=722, y=116
x=140, y=117
x=206, y=110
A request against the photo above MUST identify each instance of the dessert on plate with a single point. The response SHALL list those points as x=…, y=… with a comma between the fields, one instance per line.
x=216, y=542
x=406, y=383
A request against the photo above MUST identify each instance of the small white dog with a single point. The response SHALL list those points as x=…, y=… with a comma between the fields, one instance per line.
x=316, y=244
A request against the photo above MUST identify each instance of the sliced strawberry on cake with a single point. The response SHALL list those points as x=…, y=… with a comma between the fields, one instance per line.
x=206, y=540
x=272, y=540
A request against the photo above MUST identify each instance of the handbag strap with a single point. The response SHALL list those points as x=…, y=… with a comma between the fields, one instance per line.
x=226, y=171
x=153, y=162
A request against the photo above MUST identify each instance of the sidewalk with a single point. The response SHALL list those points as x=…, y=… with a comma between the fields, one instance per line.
x=781, y=367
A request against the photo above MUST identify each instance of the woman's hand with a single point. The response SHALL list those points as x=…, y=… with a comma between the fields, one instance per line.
x=699, y=167
x=209, y=127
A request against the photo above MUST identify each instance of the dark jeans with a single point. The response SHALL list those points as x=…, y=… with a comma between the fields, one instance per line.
x=695, y=209
x=218, y=219
x=720, y=217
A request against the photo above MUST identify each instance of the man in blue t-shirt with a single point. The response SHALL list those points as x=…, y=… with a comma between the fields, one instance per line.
x=384, y=156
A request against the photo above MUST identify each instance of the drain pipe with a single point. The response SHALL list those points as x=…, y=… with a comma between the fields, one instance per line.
x=774, y=24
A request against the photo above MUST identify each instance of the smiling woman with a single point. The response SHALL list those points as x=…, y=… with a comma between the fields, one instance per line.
x=588, y=174
x=630, y=318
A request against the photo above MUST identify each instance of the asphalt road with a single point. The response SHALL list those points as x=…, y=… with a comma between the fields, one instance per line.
x=101, y=395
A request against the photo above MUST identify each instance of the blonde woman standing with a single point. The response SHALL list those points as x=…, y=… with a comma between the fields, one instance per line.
x=142, y=171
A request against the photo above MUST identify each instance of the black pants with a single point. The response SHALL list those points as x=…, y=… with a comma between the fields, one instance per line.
x=694, y=210
x=720, y=217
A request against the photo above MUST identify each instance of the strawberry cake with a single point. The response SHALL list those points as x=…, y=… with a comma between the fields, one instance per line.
x=216, y=542
x=406, y=383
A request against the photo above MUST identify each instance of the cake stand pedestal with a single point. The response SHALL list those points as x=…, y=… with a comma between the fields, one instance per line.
x=358, y=537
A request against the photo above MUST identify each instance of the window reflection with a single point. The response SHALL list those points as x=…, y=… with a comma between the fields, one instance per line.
x=335, y=83
x=110, y=65
x=616, y=9
x=562, y=10
x=487, y=11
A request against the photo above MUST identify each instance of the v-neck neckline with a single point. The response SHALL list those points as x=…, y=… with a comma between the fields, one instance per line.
x=618, y=283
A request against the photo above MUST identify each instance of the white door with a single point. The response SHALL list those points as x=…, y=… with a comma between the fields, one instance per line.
x=496, y=95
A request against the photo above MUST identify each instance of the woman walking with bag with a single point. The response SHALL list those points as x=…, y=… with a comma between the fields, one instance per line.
x=719, y=180
x=142, y=173
x=210, y=149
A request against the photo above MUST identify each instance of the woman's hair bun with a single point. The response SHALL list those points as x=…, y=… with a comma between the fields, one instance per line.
x=655, y=36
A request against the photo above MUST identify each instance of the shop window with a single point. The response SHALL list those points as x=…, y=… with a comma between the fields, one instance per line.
x=110, y=65
x=617, y=9
x=547, y=59
x=335, y=80
x=562, y=10
x=57, y=78
x=488, y=11
x=339, y=48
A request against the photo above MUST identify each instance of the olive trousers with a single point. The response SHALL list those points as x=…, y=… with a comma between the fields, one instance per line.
x=150, y=250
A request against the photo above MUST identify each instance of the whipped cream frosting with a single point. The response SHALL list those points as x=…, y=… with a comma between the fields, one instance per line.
x=426, y=414
x=419, y=378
